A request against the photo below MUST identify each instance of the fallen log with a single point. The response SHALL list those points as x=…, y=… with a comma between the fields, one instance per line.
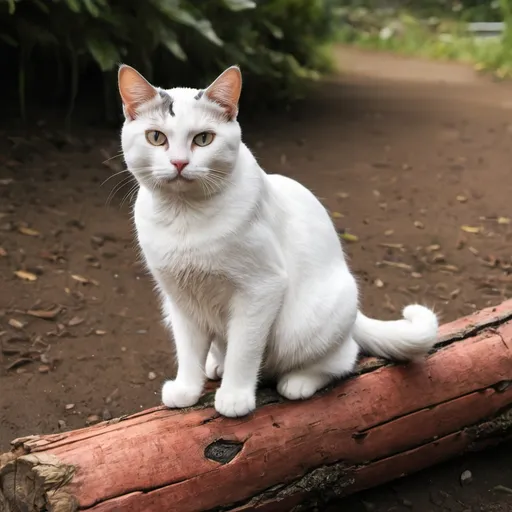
x=386, y=422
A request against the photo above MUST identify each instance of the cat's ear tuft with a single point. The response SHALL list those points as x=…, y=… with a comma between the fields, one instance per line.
x=135, y=90
x=226, y=89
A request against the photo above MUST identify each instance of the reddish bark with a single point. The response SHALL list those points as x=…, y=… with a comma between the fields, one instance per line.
x=388, y=421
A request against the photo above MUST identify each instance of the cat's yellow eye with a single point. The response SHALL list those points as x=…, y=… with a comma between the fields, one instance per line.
x=156, y=138
x=203, y=139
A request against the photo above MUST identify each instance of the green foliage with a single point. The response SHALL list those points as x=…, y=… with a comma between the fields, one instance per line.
x=459, y=10
x=436, y=29
x=278, y=42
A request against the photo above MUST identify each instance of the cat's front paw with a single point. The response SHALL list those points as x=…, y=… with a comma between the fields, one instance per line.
x=176, y=394
x=234, y=403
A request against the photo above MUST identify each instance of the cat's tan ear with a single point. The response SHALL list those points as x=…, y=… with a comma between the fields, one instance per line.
x=226, y=90
x=134, y=89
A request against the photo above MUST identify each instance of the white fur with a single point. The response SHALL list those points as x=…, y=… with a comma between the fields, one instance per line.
x=250, y=268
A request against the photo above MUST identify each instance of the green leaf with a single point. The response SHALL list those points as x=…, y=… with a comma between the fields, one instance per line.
x=12, y=6
x=172, y=44
x=42, y=6
x=103, y=51
x=6, y=38
x=276, y=31
x=204, y=27
x=239, y=5
x=92, y=8
x=172, y=10
x=165, y=36
x=74, y=5
x=34, y=33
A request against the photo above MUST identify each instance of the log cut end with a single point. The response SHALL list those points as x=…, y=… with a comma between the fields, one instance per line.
x=34, y=483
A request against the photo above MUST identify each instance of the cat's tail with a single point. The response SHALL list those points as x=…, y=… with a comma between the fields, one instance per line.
x=412, y=336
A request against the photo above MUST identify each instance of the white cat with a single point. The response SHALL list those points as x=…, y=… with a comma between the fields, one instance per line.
x=250, y=268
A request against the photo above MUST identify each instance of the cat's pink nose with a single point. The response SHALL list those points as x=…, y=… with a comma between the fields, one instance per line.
x=180, y=165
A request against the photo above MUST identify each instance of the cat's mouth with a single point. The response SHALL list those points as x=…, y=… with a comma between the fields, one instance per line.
x=170, y=180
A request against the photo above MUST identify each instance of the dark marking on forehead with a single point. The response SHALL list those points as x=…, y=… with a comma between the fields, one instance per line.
x=167, y=102
x=199, y=95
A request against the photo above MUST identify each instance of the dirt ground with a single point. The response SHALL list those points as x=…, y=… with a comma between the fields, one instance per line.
x=411, y=157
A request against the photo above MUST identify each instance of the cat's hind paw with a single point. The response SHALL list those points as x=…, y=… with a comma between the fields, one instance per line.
x=301, y=385
x=234, y=403
x=176, y=395
x=214, y=369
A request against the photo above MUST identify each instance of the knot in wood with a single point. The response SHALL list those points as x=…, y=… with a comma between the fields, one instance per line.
x=223, y=451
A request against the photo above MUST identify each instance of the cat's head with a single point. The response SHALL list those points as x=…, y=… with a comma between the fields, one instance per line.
x=181, y=141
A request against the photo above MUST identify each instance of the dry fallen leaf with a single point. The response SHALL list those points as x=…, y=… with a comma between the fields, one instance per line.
x=503, y=220
x=19, y=362
x=10, y=351
x=26, y=276
x=46, y=314
x=396, y=264
x=491, y=261
x=93, y=418
x=79, y=278
x=84, y=280
x=28, y=231
x=433, y=248
x=76, y=320
x=455, y=293
x=348, y=237
x=49, y=256
x=438, y=258
x=16, y=324
x=462, y=199
x=337, y=215
x=449, y=268
x=388, y=232
x=388, y=304
x=392, y=246
x=471, y=229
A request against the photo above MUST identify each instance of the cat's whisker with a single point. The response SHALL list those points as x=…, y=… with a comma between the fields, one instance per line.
x=117, y=187
x=207, y=185
x=215, y=180
x=114, y=175
x=119, y=155
x=129, y=194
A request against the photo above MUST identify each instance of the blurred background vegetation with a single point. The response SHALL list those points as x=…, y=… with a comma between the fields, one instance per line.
x=60, y=51
x=56, y=49
x=478, y=32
